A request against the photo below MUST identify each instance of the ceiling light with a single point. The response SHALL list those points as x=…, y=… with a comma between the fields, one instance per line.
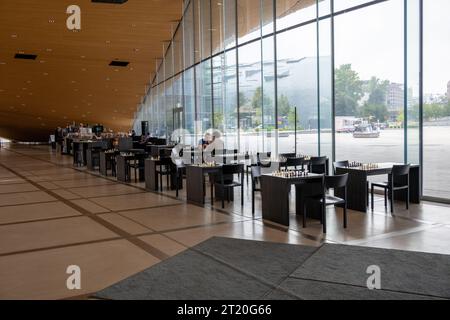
x=49, y=50
x=14, y=36
x=118, y=63
x=110, y=1
x=45, y=73
x=24, y=56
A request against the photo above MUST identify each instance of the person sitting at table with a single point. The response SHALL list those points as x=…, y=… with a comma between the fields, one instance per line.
x=216, y=147
x=145, y=138
x=205, y=141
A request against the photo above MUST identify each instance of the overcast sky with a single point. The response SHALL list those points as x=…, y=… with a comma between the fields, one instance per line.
x=371, y=39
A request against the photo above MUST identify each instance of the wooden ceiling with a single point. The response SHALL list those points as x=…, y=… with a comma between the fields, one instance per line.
x=71, y=79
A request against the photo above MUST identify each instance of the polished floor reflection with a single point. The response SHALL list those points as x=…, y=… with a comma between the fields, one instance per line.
x=53, y=216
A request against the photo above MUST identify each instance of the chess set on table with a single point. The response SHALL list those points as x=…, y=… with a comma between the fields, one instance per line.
x=110, y=151
x=299, y=156
x=290, y=173
x=126, y=154
x=207, y=165
x=363, y=166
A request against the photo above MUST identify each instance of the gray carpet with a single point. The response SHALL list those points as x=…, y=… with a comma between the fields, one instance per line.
x=233, y=269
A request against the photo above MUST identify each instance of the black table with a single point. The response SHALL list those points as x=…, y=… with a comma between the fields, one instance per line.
x=123, y=168
x=93, y=153
x=107, y=163
x=79, y=152
x=275, y=196
x=357, y=193
x=195, y=182
x=151, y=177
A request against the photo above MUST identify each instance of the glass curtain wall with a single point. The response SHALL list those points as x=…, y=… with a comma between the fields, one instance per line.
x=436, y=95
x=369, y=83
x=341, y=78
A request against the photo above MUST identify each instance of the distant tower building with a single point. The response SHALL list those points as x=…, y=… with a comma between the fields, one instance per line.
x=448, y=90
x=395, y=97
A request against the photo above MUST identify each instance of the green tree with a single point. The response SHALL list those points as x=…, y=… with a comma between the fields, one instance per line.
x=348, y=90
x=218, y=121
x=447, y=109
x=260, y=100
x=375, y=111
x=377, y=91
x=242, y=99
x=286, y=111
x=433, y=111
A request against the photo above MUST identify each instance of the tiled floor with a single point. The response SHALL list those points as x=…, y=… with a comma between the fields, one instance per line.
x=53, y=215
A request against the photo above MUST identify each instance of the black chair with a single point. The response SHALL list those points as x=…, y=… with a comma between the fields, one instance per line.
x=229, y=170
x=113, y=163
x=294, y=163
x=180, y=173
x=137, y=164
x=256, y=175
x=341, y=164
x=266, y=155
x=164, y=169
x=318, y=165
x=79, y=156
x=331, y=182
x=398, y=180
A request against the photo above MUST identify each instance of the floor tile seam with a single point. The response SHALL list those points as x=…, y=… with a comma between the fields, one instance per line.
x=109, y=226
x=365, y=287
x=39, y=220
x=393, y=234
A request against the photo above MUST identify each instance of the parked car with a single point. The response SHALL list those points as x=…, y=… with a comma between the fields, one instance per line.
x=349, y=129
